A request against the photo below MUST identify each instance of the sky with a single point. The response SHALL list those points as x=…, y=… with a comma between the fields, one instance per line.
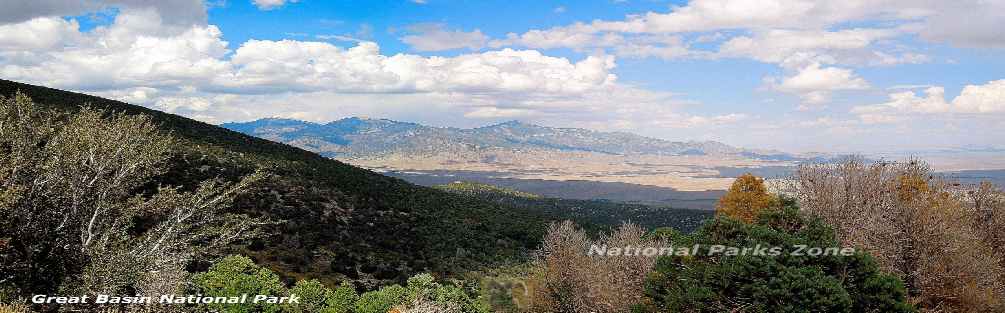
x=795, y=75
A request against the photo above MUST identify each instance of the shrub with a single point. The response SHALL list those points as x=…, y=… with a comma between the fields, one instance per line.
x=313, y=296
x=571, y=280
x=941, y=238
x=237, y=275
x=425, y=306
x=381, y=301
x=342, y=299
x=507, y=289
x=706, y=282
x=14, y=308
x=423, y=288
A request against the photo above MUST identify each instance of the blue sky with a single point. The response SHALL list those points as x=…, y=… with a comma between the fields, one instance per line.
x=798, y=75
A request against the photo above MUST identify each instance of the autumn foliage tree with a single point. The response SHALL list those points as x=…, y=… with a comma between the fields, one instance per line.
x=746, y=199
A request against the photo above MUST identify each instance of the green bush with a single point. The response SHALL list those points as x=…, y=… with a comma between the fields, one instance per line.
x=313, y=296
x=343, y=299
x=316, y=297
x=419, y=284
x=237, y=275
x=502, y=293
x=455, y=295
x=782, y=283
x=382, y=300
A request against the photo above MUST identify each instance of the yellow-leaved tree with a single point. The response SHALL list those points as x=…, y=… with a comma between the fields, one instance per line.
x=746, y=198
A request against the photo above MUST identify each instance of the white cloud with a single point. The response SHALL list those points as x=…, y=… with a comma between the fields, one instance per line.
x=580, y=37
x=782, y=45
x=155, y=56
x=191, y=71
x=710, y=15
x=782, y=29
x=573, y=36
x=974, y=99
x=814, y=83
x=559, y=9
x=434, y=37
x=966, y=23
x=987, y=98
x=660, y=46
x=38, y=34
x=791, y=33
x=271, y=4
x=199, y=57
x=261, y=66
x=176, y=13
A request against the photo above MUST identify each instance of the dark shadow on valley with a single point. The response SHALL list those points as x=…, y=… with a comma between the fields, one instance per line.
x=572, y=189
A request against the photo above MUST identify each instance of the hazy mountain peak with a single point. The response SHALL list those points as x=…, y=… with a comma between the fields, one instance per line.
x=369, y=137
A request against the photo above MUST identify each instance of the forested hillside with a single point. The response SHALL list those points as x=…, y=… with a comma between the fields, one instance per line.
x=336, y=220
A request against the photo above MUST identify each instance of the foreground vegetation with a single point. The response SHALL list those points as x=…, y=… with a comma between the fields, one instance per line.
x=944, y=239
x=102, y=202
x=331, y=221
x=81, y=214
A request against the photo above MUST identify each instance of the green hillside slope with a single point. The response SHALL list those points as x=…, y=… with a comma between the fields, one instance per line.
x=337, y=220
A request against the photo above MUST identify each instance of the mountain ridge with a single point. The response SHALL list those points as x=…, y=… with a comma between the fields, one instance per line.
x=355, y=137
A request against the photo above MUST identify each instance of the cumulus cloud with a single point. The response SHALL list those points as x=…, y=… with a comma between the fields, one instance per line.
x=271, y=4
x=785, y=46
x=974, y=99
x=806, y=38
x=192, y=71
x=966, y=23
x=97, y=59
x=791, y=33
x=987, y=98
x=179, y=12
x=581, y=37
x=313, y=66
x=38, y=34
x=199, y=57
x=573, y=36
x=710, y=15
x=434, y=37
x=814, y=83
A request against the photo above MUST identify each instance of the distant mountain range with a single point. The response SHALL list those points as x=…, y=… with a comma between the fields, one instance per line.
x=356, y=137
